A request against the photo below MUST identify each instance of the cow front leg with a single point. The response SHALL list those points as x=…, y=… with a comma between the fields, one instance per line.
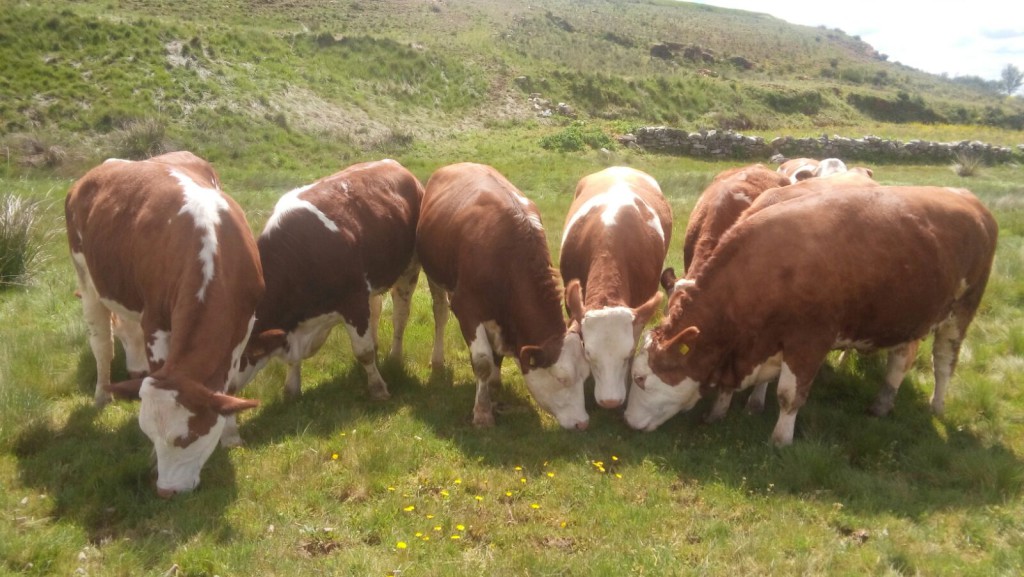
x=439, y=296
x=488, y=378
x=401, y=302
x=755, y=402
x=293, y=380
x=792, y=394
x=376, y=304
x=101, y=341
x=131, y=335
x=901, y=358
x=364, y=347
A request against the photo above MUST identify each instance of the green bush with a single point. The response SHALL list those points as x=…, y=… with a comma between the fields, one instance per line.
x=21, y=244
x=576, y=137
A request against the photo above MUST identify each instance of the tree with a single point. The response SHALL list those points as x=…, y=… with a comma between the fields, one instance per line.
x=1011, y=79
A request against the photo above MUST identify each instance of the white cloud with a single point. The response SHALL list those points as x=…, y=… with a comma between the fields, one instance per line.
x=977, y=38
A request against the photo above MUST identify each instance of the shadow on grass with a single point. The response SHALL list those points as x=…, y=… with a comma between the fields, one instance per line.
x=907, y=464
x=102, y=479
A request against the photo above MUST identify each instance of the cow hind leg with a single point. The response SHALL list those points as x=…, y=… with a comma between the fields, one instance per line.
x=101, y=341
x=134, y=342
x=792, y=394
x=376, y=304
x=364, y=347
x=901, y=358
x=945, y=352
x=755, y=402
x=439, y=296
x=401, y=299
x=721, y=406
x=293, y=380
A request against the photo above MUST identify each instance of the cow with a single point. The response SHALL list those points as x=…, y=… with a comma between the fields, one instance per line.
x=857, y=266
x=616, y=236
x=797, y=169
x=159, y=247
x=329, y=251
x=483, y=248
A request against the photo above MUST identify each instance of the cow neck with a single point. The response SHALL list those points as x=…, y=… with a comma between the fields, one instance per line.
x=606, y=286
x=693, y=307
x=203, y=350
x=534, y=316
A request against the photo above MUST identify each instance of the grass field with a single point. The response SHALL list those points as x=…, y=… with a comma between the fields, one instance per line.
x=335, y=483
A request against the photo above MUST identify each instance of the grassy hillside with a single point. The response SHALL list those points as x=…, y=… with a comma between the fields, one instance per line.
x=261, y=84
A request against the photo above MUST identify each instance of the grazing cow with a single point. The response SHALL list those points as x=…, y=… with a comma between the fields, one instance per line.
x=482, y=244
x=798, y=169
x=159, y=247
x=856, y=266
x=329, y=251
x=616, y=235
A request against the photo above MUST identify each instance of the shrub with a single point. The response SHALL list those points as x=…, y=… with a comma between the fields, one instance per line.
x=35, y=151
x=575, y=137
x=21, y=244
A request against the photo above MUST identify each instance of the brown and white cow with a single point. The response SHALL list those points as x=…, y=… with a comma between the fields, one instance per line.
x=159, y=245
x=857, y=266
x=616, y=235
x=797, y=169
x=329, y=251
x=482, y=244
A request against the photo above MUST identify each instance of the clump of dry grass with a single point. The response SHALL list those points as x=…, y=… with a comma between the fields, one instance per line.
x=21, y=243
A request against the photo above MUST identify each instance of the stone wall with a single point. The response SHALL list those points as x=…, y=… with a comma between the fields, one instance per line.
x=729, y=144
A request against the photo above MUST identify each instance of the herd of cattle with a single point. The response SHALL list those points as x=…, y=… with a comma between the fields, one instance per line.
x=782, y=266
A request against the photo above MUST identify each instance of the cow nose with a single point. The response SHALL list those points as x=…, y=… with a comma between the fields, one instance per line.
x=610, y=403
x=165, y=493
x=582, y=425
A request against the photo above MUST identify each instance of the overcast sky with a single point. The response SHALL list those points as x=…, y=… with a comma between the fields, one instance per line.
x=967, y=38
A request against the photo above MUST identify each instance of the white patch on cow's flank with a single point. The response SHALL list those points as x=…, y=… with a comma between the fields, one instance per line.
x=309, y=336
x=159, y=346
x=204, y=205
x=290, y=202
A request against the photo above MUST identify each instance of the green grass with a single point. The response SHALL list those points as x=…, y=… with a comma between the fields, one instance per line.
x=334, y=482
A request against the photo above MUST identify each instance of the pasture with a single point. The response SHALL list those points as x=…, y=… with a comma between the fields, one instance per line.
x=335, y=483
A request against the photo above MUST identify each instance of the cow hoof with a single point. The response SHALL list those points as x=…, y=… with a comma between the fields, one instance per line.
x=232, y=441
x=483, y=420
x=100, y=402
x=380, y=394
x=713, y=417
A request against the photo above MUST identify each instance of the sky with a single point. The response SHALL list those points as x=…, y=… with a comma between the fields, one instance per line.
x=958, y=38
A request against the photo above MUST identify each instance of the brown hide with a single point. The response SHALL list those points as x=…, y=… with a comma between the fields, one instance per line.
x=311, y=270
x=124, y=217
x=859, y=263
x=619, y=264
x=482, y=240
x=720, y=206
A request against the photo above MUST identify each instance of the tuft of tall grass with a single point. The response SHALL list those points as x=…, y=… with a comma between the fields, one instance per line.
x=967, y=164
x=21, y=242
x=141, y=138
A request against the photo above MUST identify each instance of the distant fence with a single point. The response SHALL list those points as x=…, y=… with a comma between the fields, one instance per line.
x=729, y=144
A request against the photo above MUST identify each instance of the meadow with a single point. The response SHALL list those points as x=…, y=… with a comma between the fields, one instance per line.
x=279, y=93
x=335, y=483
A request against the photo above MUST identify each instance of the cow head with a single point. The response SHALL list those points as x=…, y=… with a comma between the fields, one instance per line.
x=661, y=387
x=261, y=347
x=609, y=339
x=184, y=421
x=554, y=373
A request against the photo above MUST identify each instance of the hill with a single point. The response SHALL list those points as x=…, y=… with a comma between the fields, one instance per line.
x=267, y=82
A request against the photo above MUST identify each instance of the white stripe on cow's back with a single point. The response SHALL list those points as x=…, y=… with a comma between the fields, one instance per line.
x=204, y=206
x=290, y=202
x=619, y=196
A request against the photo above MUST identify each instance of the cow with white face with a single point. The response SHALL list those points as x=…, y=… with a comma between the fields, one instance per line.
x=857, y=266
x=329, y=251
x=161, y=250
x=483, y=247
x=616, y=235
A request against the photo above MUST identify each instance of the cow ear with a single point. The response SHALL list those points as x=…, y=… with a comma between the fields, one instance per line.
x=126, y=390
x=574, y=300
x=668, y=279
x=644, y=312
x=264, y=343
x=228, y=405
x=681, y=343
x=531, y=357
